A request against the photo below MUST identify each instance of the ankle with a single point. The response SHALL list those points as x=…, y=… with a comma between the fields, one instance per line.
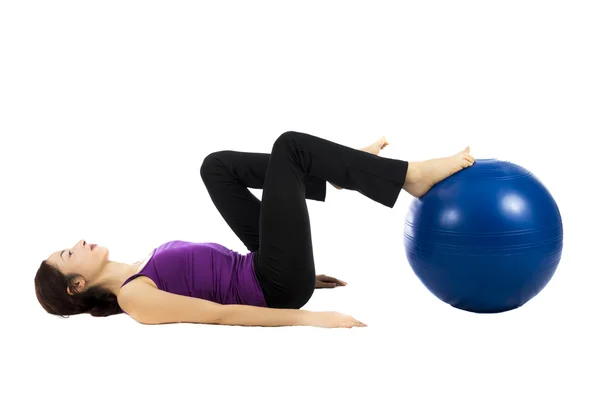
x=414, y=172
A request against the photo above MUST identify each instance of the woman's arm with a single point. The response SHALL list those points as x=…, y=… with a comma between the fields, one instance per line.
x=149, y=305
x=235, y=314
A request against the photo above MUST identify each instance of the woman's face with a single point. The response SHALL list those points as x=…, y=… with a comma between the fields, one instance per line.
x=82, y=259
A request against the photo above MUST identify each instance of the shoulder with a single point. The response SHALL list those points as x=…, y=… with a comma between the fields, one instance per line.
x=129, y=295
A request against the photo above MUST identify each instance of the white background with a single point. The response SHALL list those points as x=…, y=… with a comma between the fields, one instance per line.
x=107, y=110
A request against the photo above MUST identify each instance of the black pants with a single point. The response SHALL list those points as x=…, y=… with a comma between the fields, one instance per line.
x=278, y=228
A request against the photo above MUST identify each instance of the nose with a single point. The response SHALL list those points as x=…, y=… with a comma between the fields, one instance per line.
x=81, y=243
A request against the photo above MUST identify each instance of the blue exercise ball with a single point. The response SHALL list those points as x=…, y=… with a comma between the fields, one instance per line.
x=487, y=239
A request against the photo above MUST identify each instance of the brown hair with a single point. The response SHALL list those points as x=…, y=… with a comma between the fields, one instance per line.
x=51, y=291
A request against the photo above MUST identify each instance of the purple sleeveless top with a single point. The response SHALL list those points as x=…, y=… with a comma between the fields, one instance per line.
x=207, y=270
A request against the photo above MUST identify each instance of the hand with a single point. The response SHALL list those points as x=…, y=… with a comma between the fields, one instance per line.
x=324, y=281
x=327, y=319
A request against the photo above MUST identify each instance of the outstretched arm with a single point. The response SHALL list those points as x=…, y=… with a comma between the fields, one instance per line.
x=149, y=305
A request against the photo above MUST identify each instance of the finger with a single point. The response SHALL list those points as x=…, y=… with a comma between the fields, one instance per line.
x=321, y=285
x=325, y=278
x=338, y=281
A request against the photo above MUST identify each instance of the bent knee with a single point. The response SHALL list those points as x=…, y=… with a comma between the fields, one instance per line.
x=286, y=138
x=288, y=135
x=212, y=162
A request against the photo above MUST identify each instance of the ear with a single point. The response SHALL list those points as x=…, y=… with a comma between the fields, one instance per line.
x=76, y=285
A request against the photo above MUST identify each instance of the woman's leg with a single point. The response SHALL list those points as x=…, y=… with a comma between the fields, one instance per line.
x=285, y=266
x=227, y=176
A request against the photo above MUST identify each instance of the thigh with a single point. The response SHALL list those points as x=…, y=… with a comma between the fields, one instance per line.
x=227, y=176
x=285, y=265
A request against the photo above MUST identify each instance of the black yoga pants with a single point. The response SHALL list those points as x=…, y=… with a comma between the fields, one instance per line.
x=277, y=229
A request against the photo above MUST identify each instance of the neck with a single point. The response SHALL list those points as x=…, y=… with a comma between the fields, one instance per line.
x=114, y=275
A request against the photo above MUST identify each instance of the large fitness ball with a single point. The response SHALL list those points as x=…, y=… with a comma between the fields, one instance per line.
x=487, y=239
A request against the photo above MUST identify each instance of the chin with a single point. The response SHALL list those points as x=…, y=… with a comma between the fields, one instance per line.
x=103, y=252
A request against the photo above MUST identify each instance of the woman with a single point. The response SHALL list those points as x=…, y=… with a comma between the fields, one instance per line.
x=206, y=282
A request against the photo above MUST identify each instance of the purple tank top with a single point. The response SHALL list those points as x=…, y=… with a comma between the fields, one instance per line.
x=207, y=270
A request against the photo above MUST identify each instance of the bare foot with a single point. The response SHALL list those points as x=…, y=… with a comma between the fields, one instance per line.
x=374, y=148
x=422, y=175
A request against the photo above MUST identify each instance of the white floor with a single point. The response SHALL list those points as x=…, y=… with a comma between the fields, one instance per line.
x=109, y=108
